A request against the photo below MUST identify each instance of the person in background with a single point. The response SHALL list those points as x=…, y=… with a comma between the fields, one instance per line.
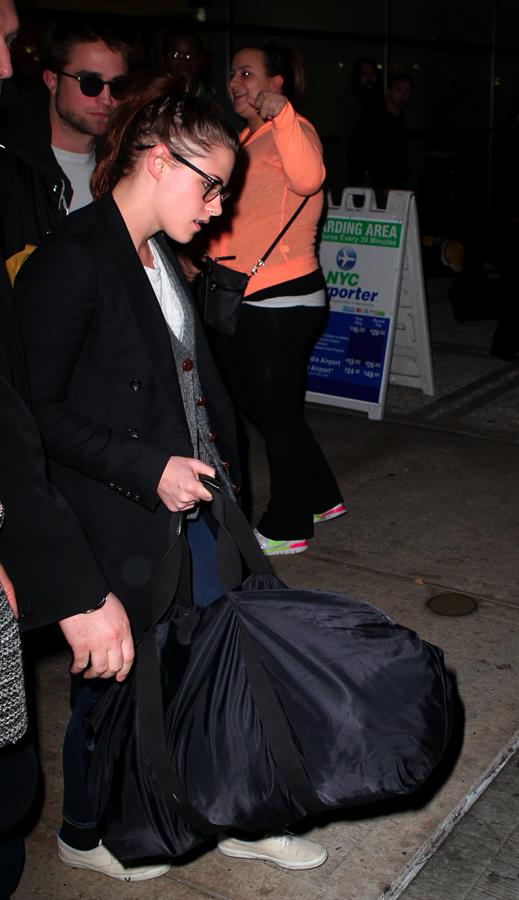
x=53, y=575
x=378, y=150
x=505, y=340
x=366, y=86
x=183, y=58
x=48, y=152
x=284, y=311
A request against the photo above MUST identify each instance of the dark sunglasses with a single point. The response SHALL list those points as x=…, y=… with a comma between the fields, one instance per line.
x=92, y=85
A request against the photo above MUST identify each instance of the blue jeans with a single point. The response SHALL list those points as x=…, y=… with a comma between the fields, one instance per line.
x=204, y=577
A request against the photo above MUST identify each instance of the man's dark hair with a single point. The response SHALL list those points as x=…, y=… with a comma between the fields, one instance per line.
x=400, y=76
x=64, y=36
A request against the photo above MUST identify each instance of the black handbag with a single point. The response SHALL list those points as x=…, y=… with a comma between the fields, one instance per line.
x=266, y=706
x=221, y=289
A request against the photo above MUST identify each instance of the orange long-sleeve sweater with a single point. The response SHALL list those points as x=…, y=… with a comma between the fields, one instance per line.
x=285, y=164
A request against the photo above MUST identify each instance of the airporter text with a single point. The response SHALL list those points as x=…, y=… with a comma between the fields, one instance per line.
x=344, y=285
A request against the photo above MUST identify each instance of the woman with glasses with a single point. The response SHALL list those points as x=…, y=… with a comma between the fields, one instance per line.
x=283, y=311
x=130, y=405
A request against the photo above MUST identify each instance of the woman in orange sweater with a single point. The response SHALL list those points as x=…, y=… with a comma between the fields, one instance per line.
x=284, y=306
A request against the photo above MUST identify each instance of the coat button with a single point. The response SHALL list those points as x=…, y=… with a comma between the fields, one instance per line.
x=226, y=464
x=202, y=401
x=135, y=384
x=133, y=432
x=187, y=365
x=213, y=436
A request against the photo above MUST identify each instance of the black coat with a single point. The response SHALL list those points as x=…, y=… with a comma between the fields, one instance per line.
x=106, y=391
x=35, y=191
x=42, y=544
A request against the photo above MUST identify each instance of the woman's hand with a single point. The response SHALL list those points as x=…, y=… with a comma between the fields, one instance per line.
x=7, y=585
x=179, y=487
x=269, y=104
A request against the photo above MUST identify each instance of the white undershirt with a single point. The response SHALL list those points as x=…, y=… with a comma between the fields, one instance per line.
x=78, y=168
x=317, y=298
x=165, y=293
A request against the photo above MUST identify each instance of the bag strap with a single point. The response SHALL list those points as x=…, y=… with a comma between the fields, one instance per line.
x=235, y=541
x=172, y=575
x=277, y=729
x=171, y=582
x=293, y=217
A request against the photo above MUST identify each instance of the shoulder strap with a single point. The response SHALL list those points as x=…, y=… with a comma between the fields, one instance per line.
x=293, y=217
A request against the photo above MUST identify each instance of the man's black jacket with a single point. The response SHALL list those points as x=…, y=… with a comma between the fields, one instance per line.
x=35, y=191
x=42, y=545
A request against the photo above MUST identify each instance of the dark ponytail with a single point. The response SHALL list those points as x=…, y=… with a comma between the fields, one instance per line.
x=285, y=62
x=158, y=111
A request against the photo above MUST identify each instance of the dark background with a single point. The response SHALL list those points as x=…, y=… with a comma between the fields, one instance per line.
x=463, y=57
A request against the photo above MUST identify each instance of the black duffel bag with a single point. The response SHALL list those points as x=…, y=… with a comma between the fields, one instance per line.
x=266, y=706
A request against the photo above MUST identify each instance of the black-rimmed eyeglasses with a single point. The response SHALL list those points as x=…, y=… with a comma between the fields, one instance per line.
x=92, y=85
x=216, y=188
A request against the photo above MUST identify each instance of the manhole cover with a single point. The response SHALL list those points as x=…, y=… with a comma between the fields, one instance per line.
x=452, y=604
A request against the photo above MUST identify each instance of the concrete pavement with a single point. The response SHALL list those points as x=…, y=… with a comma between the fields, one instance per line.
x=432, y=497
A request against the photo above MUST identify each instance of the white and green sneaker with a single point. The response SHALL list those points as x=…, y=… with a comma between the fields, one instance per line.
x=271, y=547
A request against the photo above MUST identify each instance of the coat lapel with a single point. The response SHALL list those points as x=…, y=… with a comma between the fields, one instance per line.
x=117, y=248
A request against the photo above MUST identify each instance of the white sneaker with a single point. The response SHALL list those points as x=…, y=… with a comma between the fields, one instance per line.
x=272, y=547
x=286, y=850
x=101, y=860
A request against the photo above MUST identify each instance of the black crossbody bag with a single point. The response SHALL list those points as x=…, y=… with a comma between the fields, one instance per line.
x=221, y=289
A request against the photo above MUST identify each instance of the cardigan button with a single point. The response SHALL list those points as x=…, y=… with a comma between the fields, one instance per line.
x=236, y=488
x=202, y=401
x=135, y=384
x=226, y=464
x=213, y=436
x=187, y=365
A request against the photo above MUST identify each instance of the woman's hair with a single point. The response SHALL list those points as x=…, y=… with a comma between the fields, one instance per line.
x=285, y=62
x=157, y=110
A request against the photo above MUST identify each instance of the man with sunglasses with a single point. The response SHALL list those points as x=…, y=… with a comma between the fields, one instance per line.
x=49, y=152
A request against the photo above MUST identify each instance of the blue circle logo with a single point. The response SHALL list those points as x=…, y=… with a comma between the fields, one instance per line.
x=346, y=258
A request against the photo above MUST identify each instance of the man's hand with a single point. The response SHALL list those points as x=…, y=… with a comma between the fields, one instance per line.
x=101, y=641
x=179, y=487
x=7, y=585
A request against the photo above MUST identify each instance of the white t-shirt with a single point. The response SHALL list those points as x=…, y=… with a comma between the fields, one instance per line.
x=78, y=168
x=165, y=293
